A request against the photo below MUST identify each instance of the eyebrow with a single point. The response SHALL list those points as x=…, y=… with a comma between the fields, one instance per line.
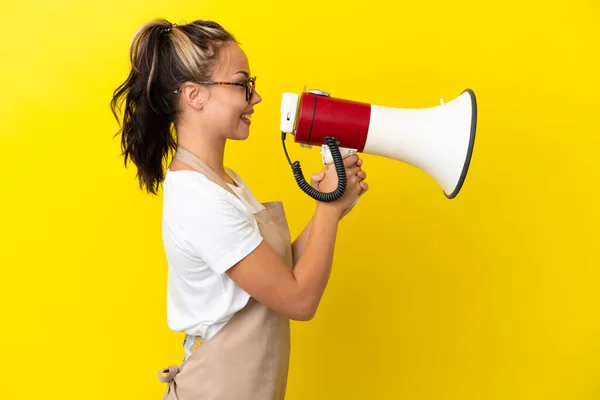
x=246, y=74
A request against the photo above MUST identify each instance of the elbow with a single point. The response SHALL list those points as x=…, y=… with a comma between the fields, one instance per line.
x=299, y=303
x=304, y=310
x=304, y=316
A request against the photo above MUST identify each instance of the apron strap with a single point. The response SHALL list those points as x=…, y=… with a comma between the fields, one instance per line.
x=170, y=374
x=189, y=158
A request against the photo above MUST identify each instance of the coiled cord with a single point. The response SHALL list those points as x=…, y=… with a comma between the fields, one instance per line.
x=339, y=168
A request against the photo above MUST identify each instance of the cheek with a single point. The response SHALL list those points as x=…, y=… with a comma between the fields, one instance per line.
x=233, y=112
x=224, y=114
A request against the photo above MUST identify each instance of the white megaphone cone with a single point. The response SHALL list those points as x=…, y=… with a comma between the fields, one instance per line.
x=438, y=140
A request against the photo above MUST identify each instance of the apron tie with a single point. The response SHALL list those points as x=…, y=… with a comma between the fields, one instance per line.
x=171, y=372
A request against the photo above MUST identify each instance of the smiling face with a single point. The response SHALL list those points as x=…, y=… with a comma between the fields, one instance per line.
x=227, y=110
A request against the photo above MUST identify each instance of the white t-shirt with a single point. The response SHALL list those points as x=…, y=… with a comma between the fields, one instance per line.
x=206, y=230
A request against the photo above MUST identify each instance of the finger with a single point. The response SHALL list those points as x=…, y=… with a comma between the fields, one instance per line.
x=364, y=186
x=355, y=183
x=359, y=162
x=316, y=178
x=352, y=171
x=319, y=176
x=350, y=160
x=362, y=174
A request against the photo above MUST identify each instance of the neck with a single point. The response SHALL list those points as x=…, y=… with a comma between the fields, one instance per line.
x=210, y=149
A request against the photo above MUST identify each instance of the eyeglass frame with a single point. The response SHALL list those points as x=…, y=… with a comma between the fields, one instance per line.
x=248, y=84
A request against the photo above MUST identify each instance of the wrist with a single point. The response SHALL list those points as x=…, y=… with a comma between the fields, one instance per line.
x=329, y=211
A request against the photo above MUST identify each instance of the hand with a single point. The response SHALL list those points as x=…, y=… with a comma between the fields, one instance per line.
x=326, y=181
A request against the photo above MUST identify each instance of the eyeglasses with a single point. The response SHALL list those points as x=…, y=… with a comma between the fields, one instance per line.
x=248, y=84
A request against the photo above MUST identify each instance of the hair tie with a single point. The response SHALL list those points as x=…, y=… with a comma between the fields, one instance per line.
x=169, y=29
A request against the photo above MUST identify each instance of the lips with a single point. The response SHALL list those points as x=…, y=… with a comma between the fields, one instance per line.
x=246, y=116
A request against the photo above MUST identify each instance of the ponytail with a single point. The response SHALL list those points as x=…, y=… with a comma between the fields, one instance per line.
x=146, y=131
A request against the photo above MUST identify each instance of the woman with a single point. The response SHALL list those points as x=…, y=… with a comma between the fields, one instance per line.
x=235, y=278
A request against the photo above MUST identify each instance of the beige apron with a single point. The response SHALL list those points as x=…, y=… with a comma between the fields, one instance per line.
x=248, y=358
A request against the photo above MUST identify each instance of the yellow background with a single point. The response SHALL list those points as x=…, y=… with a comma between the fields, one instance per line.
x=493, y=295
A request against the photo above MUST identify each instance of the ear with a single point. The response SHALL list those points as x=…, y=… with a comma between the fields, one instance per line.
x=195, y=95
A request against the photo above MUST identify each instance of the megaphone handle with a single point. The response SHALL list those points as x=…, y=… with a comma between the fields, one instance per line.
x=339, y=167
x=327, y=159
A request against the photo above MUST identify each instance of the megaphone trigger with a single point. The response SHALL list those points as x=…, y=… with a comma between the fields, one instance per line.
x=327, y=158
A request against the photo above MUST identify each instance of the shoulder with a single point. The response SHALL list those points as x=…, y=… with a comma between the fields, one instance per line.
x=195, y=206
x=192, y=192
x=207, y=221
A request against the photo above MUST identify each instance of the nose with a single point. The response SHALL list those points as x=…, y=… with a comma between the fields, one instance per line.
x=255, y=98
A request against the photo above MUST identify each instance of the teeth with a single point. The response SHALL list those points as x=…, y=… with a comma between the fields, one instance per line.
x=246, y=116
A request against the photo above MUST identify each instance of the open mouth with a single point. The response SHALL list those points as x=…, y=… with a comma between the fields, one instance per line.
x=246, y=118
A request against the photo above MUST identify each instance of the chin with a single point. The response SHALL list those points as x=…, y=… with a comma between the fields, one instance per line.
x=239, y=137
x=242, y=132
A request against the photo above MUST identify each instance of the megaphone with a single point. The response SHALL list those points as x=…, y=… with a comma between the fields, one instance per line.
x=438, y=140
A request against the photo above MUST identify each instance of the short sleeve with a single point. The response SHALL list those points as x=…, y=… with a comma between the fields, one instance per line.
x=221, y=232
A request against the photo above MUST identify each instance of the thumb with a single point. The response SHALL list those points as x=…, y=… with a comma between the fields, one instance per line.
x=316, y=178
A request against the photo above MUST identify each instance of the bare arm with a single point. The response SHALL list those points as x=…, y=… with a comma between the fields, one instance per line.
x=299, y=244
x=296, y=293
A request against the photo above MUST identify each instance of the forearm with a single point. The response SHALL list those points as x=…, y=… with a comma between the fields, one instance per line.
x=313, y=268
x=299, y=244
